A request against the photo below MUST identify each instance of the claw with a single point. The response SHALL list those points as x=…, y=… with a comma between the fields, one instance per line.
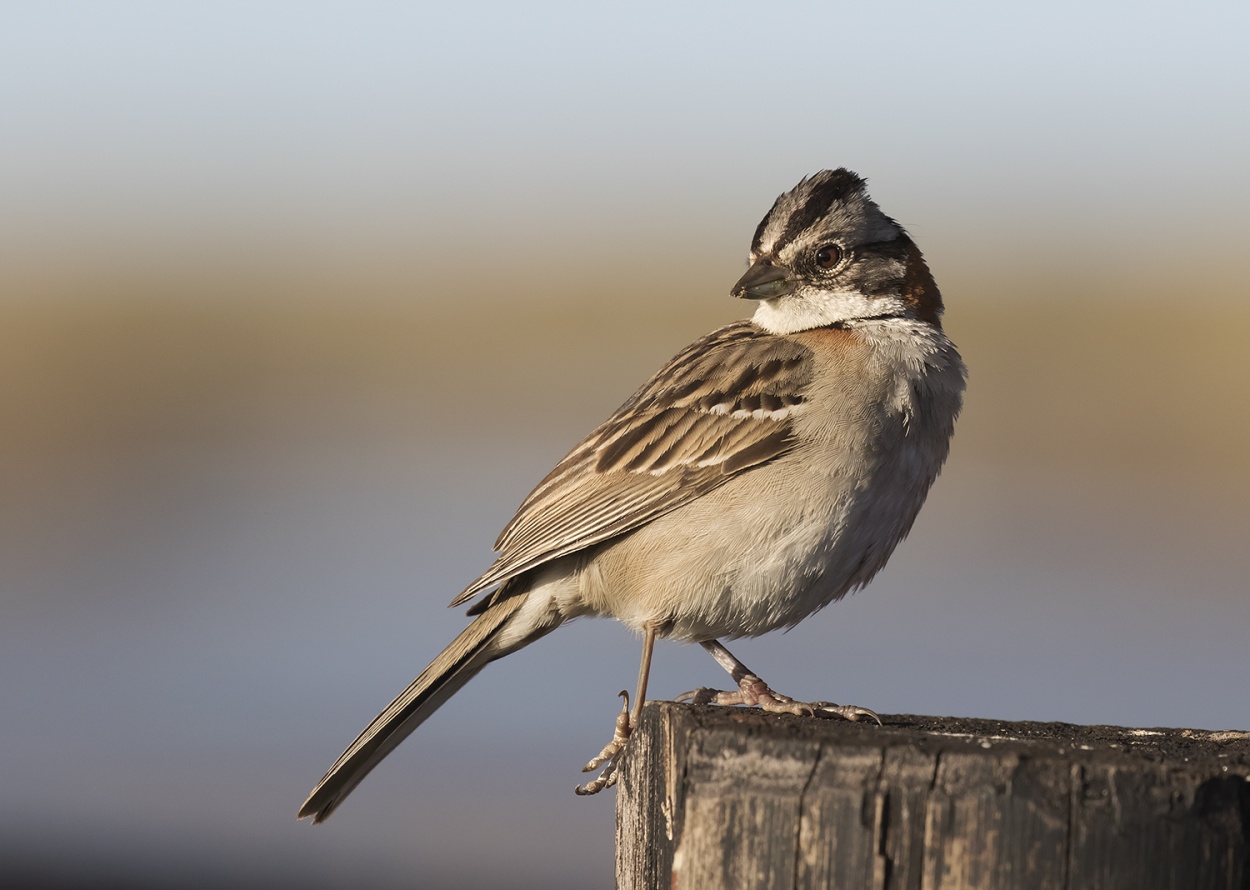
x=620, y=736
x=606, y=780
x=846, y=712
x=611, y=754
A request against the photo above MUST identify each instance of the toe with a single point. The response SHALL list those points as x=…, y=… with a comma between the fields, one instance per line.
x=853, y=713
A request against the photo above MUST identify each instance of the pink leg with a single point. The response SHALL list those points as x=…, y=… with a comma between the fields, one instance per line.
x=625, y=723
x=754, y=691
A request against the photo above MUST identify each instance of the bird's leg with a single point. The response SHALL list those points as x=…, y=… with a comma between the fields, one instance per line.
x=754, y=691
x=626, y=721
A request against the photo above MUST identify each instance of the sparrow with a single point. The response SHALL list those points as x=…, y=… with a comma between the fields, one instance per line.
x=769, y=469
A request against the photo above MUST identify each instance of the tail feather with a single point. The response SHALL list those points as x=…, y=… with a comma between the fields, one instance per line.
x=454, y=666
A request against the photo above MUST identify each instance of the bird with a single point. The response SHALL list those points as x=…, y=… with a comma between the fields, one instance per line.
x=767, y=470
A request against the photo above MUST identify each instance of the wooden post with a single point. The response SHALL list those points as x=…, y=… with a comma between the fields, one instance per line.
x=723, y=798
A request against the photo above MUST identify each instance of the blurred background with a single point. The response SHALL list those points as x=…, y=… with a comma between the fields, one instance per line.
x=297, y=302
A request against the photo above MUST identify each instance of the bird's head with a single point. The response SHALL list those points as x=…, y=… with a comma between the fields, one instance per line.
x=825, y=255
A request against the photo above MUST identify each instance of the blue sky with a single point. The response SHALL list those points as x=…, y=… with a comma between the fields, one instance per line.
x=131, y=121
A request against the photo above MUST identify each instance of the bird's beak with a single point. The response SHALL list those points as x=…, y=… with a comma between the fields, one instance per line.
x=764, y=281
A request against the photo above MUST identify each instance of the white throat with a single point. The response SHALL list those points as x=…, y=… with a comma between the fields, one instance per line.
x=804, y=311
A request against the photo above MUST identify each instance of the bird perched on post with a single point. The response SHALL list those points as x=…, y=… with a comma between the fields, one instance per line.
x=766, y=471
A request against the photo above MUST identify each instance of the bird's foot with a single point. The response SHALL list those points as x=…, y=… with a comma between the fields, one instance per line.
x=754, y=691
x=610, y=755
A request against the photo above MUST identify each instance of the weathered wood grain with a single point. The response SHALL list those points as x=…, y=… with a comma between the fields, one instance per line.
x=724, y=798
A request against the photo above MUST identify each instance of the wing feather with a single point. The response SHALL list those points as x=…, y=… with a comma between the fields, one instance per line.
x=720, y=407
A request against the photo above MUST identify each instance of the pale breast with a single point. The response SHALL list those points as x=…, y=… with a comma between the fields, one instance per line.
x=786, y=538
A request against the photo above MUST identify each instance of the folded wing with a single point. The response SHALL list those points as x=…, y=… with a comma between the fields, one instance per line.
x=722, y=406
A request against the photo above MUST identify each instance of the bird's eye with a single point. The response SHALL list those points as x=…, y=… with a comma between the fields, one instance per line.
x=828, y=256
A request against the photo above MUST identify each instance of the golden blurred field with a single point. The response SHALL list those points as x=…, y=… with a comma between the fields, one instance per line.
x=1134, y=383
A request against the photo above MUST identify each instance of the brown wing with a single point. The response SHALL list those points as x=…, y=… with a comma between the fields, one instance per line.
x=722, y=406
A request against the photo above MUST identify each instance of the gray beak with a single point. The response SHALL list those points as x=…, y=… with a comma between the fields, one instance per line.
x=764, y=281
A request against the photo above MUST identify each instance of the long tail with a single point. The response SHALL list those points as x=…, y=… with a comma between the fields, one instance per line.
x=454, y=666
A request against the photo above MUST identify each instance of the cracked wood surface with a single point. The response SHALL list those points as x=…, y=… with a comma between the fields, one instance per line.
x=724, y=798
